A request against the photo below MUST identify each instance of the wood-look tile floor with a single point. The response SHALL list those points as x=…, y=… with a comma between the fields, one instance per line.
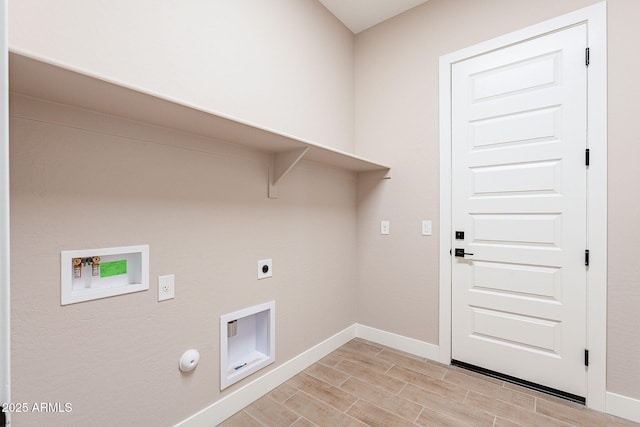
x=367, y=384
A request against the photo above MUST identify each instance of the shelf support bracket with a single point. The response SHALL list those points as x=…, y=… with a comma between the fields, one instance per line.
x=281, y=165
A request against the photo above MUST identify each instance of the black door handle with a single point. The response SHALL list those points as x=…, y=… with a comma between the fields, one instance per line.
x=461, y=253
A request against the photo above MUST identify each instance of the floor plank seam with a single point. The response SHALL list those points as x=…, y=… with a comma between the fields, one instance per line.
x=401, y=390
x=415, y=420
x=255, y=419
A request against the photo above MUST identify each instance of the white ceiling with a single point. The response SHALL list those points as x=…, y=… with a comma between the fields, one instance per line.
x=358, y=15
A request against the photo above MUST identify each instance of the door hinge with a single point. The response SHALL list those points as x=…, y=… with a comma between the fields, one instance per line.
x=586, y=157
x=586, y=357
x=586, y=257
x=586, y=57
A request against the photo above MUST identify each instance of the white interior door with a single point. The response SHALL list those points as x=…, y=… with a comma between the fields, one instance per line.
x=519, y=132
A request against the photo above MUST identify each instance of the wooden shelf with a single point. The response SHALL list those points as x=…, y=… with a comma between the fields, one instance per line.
x=43, y=78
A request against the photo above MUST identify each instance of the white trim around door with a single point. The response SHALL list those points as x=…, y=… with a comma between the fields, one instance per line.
x=595, y=18
x=5, y=353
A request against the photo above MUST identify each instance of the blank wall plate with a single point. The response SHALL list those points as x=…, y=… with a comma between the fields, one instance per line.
x=265, y=268
x=426, y=227
x=166, y=287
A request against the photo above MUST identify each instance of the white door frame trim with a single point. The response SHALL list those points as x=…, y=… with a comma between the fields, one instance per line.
x=5, y=331
x=596, y=19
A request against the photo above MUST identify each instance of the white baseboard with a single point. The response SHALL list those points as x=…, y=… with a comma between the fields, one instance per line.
x=623, y=406
x=232, y=403
x=399, y=342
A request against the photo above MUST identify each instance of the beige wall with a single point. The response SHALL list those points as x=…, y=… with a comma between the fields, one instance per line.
x=397, y=120
x=282, y=64
x=623, y=363
x=81, y=180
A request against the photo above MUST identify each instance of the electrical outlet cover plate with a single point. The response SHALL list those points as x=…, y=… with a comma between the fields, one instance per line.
x=265, y=268
x=166, y=287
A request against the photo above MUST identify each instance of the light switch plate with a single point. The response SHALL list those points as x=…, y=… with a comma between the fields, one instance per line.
x=166, y=287
x=384, y=227
x=426, y=227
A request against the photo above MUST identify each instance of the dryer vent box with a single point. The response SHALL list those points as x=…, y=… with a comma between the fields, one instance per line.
x=247, y=342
